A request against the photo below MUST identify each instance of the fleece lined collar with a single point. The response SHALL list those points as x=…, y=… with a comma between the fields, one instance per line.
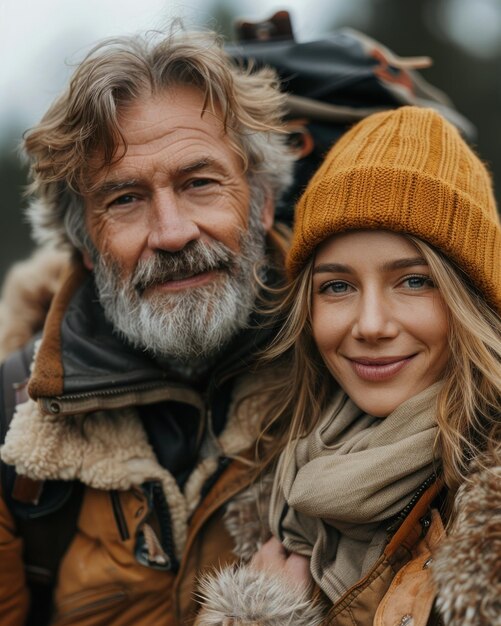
x=110, y=450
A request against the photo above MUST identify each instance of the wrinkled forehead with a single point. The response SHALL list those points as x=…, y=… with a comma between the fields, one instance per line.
x=164, y=128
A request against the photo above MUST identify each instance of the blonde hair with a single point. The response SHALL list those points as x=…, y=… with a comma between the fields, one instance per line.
x=296, y=397
x=468, y=407
x=469, y=404
x=117, y=72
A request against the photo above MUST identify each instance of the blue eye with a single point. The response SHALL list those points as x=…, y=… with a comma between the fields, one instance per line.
x=418, y=282
x=335, y=287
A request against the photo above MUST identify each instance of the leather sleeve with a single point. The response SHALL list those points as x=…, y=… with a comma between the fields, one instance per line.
x=14, y=596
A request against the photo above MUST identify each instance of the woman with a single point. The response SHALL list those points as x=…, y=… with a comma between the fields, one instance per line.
x=387, y=492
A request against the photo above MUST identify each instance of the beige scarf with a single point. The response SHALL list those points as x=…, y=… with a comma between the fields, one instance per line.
x=345, y=482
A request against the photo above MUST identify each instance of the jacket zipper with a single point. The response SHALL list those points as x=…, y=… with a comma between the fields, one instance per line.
x=164, y=518
x=113, y=391
x=56, y=404
x=390, y=530
x=397, y=522
x=67, y=404
x=119, y=515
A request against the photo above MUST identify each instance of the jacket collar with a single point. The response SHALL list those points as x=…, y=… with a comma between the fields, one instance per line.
x=81, y=359
x=109, y=450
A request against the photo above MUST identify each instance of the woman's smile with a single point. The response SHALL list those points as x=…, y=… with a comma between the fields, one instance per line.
x=378, y=320
x=378, y=369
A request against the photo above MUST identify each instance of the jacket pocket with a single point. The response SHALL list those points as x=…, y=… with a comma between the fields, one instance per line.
x=83, y=604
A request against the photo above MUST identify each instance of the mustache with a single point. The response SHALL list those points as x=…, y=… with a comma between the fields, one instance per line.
x=195, y=258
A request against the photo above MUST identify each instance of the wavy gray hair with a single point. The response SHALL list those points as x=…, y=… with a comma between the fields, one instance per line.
x=84, y=120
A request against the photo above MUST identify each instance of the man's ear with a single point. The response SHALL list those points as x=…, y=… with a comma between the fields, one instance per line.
x=268, y=213
x=87, y=261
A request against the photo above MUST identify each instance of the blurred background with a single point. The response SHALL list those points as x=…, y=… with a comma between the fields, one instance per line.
x=41, y=40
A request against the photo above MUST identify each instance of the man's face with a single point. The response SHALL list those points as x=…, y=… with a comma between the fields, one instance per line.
x=173, y=228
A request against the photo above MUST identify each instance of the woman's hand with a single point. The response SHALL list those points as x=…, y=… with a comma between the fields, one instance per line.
x=274, y=558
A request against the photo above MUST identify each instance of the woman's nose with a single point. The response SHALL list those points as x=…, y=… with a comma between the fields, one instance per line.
x=375, y=318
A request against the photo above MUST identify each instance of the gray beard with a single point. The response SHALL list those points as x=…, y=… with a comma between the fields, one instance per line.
x=193, y=325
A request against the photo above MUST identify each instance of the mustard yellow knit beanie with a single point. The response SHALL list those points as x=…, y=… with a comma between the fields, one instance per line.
x=407, y=170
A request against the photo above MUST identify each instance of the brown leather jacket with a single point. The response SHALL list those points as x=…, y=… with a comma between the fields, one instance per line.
x=424, y=577
x=141, y=541
x=100, y=580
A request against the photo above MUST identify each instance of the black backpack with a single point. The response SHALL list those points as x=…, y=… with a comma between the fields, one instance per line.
x=331, y=84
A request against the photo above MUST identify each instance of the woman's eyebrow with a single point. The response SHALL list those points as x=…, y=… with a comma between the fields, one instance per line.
x=389, y=266
x=400, y=264
x=333, y=267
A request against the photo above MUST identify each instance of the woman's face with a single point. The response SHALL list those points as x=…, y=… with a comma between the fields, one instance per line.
x=378, y=321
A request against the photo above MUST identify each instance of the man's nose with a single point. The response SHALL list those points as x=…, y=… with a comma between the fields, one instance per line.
x=375, y=318
x=171, y=225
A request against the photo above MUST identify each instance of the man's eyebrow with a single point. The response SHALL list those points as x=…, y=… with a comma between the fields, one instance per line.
x=200, y=164
x=389, y=266
x=112, y=186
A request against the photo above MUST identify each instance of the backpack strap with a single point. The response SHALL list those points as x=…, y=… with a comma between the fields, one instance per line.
x=46, y=539
x=46, y=513
x=14, y=374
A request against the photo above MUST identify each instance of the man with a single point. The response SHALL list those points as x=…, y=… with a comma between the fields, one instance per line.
x=160, y=166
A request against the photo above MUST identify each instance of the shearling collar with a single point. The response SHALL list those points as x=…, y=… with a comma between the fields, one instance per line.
x=105, y=450
x=110, y=450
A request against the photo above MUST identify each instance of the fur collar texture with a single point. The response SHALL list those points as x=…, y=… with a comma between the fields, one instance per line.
x=109, y=450
x=466, y=566
x=26, y=296
x=245, y=597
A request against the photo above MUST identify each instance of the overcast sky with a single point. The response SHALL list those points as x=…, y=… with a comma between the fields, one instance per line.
x=40, y=38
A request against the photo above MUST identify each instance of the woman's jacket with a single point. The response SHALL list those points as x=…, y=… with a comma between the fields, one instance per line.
x=426, y=574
